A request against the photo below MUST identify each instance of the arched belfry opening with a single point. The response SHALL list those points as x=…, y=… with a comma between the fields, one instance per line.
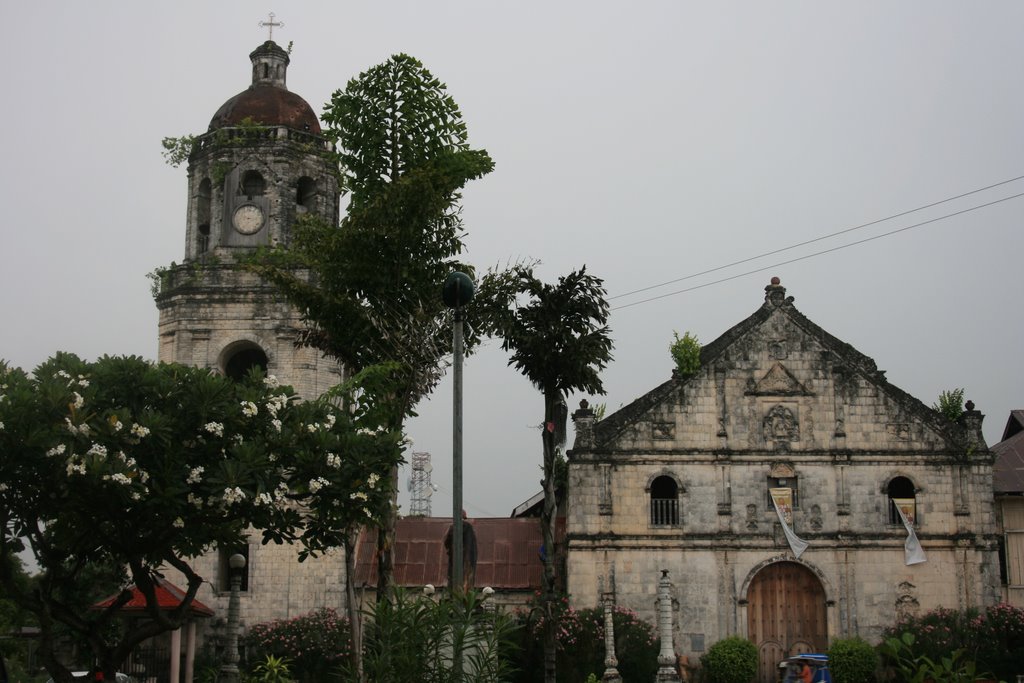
x=240, y=359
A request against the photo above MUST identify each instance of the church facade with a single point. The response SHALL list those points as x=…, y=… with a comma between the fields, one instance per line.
x=783, y=431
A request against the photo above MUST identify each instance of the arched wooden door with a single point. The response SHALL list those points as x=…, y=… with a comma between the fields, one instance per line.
x=785, y=615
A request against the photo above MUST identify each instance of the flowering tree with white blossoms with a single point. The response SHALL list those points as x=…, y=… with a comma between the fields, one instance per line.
x=143, y=465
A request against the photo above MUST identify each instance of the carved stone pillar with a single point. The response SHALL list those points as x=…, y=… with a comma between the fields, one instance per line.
x=666, y=657
x=611, y=663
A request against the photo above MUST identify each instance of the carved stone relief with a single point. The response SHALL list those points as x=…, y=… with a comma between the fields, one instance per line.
x=663, y=431
x=778, y=381
x=751, y=517
x=906, y=601
x=781, y=426
x=816, y=523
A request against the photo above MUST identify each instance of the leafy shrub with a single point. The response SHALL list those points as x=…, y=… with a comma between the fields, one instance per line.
x=314, y=644
x=993, y=638
x=911, y=667
x=581, y=645
x=730, y=660
x=852, y=660
x=411, y=638
x=685, y=352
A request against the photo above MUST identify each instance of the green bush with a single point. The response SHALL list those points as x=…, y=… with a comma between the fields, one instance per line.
x=581, y=645
x=730, y=660
x=852, y=660
x=685, y=352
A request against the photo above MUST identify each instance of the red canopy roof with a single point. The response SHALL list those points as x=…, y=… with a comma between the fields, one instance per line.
x=168, y=597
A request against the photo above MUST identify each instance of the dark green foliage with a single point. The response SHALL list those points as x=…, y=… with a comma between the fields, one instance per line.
x=581, y=646
x=950, y=404
x=314, y=645
x=852, y=660
x=993, y=638
x=391, y=119
x=559, y=340
x=685, y=352
x=908, y=666
x=730, y=660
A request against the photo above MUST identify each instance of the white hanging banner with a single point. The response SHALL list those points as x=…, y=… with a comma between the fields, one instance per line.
x=782, y=499
x=913, y=553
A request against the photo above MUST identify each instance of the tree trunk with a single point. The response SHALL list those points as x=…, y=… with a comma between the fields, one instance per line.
x=355, y=617
x=548, y=527
x=386, y=544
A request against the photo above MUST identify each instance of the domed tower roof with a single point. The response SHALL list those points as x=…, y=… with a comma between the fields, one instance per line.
x=267, y=101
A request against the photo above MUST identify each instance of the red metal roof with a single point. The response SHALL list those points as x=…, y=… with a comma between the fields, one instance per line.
x=508, y=553
x=168, y=596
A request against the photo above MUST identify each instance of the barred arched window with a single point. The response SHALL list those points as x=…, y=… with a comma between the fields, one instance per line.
x=664, y=501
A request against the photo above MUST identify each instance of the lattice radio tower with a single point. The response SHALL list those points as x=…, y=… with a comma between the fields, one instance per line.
x=420, y=488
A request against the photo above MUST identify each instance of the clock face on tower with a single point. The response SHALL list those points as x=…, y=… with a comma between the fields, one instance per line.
x=248, y=219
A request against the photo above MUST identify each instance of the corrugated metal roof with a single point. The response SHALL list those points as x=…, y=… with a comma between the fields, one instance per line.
x=508, y=553
x=1008, y=473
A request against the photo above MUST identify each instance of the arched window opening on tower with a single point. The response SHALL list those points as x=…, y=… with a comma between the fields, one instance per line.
x=266, y=70
x=305, y=194
x=902, y=496
x=203, y=200
x=243, y=359
x=253, y=184
x=664, y=502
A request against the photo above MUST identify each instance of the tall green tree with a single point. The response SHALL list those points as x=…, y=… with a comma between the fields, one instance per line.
x=126, y=463
x=559, y=340
x=369, y=289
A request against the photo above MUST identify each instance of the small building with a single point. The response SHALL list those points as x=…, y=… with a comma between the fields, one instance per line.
x=785, y=435
x=1008, y=482
x=508, y=556
x=161, y=658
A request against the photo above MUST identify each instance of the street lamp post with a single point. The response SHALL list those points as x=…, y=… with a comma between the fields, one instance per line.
x=229, y=669
x=457, y=291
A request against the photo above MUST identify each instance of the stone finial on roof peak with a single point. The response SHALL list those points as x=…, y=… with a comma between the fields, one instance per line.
x=775, y=293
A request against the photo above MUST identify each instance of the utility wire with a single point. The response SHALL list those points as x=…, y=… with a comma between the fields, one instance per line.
x=804, y=258
x=811, y=241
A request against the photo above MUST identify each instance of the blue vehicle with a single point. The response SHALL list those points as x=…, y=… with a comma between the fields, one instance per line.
x=791, y=669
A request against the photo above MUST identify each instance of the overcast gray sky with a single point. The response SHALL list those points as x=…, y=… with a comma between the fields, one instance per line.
x=647, y=140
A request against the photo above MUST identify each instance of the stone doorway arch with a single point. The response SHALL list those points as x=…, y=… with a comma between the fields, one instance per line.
x=786, y=615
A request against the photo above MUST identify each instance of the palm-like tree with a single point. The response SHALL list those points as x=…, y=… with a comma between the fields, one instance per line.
x=559, y=339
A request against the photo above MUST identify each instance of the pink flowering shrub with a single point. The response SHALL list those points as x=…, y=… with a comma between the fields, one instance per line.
x=994, y=638
x=315, y=644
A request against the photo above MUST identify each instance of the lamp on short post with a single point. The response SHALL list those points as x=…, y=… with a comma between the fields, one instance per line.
x=229, y=669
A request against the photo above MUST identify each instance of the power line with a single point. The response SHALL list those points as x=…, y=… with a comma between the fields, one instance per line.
x=804, y=258
x=811, y=241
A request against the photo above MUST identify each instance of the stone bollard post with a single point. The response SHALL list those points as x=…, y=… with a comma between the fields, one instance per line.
x=611, y=663
x=666, y=657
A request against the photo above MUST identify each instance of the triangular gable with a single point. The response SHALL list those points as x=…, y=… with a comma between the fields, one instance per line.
x=779, y=381
x=842, y=374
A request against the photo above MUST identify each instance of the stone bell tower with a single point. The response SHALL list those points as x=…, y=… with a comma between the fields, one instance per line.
x=262, y=163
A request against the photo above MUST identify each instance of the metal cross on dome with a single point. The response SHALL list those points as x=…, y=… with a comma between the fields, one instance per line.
x=270, y=26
